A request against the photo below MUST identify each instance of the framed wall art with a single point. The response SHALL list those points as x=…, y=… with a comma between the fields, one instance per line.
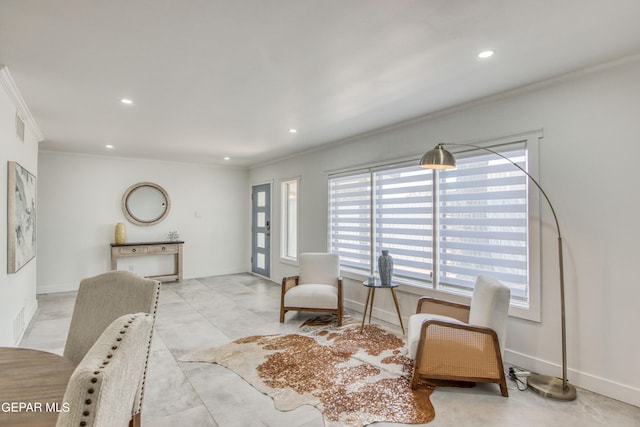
x=21, y=217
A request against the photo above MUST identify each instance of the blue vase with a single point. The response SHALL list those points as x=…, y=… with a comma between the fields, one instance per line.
x=385, y=267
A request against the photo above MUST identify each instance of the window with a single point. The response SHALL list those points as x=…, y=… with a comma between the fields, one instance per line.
x=483, y=224
x=443, y=228
x=350, y=220
x=403, y=220
x=289, y=226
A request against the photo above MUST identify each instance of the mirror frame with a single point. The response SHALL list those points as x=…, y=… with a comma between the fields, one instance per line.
x=135, y=220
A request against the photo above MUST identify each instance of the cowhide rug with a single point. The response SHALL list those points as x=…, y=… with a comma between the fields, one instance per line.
x=354, y=378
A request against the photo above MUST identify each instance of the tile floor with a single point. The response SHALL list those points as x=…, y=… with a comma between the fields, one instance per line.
x=207, y=312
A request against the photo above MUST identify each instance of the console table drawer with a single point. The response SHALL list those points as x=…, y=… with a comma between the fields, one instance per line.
x=133, y=250
x=173, y=248
x=162, y=249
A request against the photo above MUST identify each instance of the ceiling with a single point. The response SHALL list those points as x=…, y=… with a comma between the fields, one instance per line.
x=228, y=78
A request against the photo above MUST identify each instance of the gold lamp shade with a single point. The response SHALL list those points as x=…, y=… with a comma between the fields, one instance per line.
x=438, y=158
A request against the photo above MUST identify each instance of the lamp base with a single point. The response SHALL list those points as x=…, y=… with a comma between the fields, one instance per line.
x=551, y=387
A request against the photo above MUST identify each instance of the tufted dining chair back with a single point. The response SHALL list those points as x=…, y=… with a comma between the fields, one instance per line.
x=102, y=389
x=103, y=298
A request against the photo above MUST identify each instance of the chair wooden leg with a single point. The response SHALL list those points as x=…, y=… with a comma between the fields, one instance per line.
x=135, y=421
x=503, y=388
x=282, y=311
x=414, y=380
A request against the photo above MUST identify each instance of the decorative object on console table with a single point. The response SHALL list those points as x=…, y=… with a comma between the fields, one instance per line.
x=21, y=217
x=173, y=236
x=151, y=248
x=548, y=386
x=121, y=234
x=385, y=267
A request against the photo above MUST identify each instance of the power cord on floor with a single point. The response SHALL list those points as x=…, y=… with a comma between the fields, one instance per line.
x=520, y=385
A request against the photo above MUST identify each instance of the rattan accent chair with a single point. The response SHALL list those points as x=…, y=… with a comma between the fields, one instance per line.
x=451, y=341
x=102, y=389
x=101, y=299
x=318, y=287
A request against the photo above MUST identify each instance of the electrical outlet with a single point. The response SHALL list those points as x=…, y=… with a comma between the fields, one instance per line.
x=520, y=373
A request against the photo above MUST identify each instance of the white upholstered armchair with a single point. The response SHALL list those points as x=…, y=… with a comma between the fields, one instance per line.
x=451, y=341
x=318, y=287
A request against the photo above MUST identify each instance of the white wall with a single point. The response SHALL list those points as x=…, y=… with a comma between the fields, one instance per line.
x=17, y=290
x=588, y=159
x=80, y=203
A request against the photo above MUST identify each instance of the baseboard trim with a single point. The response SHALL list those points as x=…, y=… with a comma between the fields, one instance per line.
x=58, y=287
x=29, y=313
x=386, y=316
x=615, y=390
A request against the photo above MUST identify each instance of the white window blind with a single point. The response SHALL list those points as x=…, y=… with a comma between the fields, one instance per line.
x=350, y=220
x=483, y=222
x=403, y=220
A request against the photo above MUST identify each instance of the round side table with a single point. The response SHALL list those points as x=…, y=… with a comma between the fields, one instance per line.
x=371, y=293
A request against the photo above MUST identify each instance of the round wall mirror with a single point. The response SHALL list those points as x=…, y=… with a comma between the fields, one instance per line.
x=145, y=203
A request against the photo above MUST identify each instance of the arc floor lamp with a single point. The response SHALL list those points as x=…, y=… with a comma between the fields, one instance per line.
x=556, y=388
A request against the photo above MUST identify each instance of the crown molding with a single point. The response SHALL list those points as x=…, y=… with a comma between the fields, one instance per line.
x=18, y=101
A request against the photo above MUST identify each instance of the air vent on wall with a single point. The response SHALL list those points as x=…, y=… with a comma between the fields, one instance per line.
x=19, y=127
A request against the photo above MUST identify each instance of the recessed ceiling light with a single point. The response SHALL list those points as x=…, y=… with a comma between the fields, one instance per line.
x=227, y=158
x=126, y=101
x=293, y=131
x=486, y=54
x=108, y=147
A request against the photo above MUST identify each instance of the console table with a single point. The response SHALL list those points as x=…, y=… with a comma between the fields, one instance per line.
x=151, y=248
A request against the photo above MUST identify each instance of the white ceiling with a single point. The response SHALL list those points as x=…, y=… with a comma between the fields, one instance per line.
x=230, y=77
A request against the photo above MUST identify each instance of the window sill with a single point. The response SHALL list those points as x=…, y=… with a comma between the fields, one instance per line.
x=289, y=261
x=415, y=288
